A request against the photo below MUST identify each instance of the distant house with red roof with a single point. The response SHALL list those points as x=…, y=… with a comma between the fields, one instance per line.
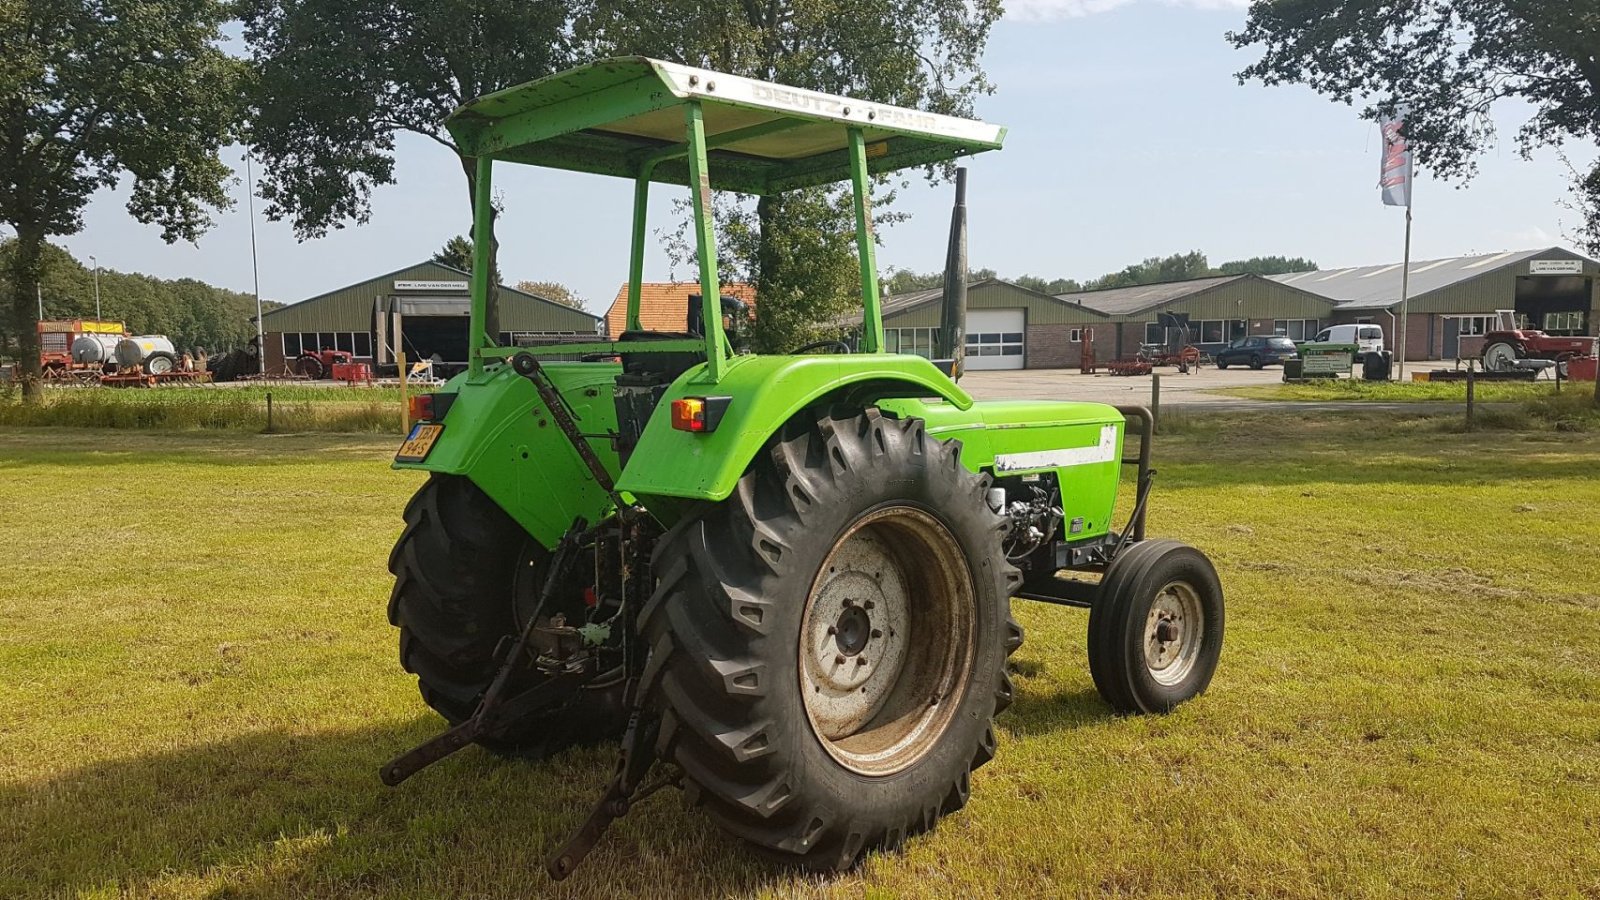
x=664, y=305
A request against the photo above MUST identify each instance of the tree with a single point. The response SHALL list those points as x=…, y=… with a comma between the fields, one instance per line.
x=1048, y=286
x=1177, y=267
x=92, y=91
x=457, y=254
x=552, y=290
x=1447, y=65
x=926, y=55
x=194, y=314
x=338, y=80
x=1267, y=265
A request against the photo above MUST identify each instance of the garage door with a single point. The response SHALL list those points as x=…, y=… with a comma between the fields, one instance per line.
x=994, y=339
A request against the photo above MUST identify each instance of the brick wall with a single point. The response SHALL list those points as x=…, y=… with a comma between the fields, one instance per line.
x=1052, y=347
x=274, y=352
x=1417, y=337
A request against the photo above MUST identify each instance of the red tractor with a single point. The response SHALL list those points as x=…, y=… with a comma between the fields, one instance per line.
x=1508, y=343
x=317, y=364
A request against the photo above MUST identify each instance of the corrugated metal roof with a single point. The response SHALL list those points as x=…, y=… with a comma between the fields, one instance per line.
x=664, y=305
x=1137, y=298
x=1378, y=287
x=895, y=304
x=349, y=308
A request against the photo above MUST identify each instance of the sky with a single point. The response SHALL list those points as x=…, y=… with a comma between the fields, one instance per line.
x=1129, y=137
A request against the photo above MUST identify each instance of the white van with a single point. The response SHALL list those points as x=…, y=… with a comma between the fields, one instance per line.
x=1367, y=337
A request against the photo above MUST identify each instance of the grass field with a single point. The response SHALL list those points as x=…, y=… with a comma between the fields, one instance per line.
x=1357, y=390
x=197, y=685
x=216, y=407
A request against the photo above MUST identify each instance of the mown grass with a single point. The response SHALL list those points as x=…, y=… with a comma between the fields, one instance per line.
x=1358, y=390
x=197, y=685
x=295, y=408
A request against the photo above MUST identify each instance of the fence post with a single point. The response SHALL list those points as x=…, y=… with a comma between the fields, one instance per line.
x=405, y=407
x=1471, y=398
x=1558, y=375
x=269, y=412
x=1155, y=402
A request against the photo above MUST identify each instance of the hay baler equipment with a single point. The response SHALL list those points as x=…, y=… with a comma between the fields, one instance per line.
x=783, y=582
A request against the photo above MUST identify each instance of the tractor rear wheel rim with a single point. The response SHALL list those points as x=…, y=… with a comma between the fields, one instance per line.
x=886, y=640
x=1173, y=632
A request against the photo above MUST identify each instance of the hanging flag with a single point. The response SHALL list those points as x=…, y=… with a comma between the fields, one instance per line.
x=1394, y=179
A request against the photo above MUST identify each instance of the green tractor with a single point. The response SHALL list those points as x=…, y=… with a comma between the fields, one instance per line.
x=783, y=582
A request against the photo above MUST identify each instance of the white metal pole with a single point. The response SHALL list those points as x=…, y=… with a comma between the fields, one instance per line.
x=1405, y=291
x=255, y=272
x=39, y=290
x=96, y=264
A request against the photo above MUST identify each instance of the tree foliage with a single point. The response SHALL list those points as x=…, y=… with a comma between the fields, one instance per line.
x=94, y=90
x=552, y=290
x=1267, y=265
x=798, y=249
x=194, y=314
x=457, y=254
x=1176, y=267
x=1448, y=65
x=339, y=80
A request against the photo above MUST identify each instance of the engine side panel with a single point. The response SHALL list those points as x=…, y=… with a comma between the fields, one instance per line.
x=1081, y=443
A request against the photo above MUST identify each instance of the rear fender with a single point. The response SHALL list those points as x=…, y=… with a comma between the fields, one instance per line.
x=498, y=433
x=766, y=392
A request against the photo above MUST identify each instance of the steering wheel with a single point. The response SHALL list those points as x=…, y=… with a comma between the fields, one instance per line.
x=840, y=346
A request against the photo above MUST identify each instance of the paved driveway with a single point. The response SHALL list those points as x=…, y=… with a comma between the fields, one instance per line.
x=1067, y=384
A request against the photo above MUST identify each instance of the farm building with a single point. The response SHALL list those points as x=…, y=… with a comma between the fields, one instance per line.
x=1453, y=301
x=1012, y=327
x=422, y=309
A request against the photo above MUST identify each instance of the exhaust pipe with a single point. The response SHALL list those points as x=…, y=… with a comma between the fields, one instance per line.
x=953, y=314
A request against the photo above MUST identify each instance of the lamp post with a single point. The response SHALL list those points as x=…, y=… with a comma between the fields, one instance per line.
x=96, y=264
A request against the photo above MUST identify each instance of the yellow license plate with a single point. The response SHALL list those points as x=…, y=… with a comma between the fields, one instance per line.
x=418, y=442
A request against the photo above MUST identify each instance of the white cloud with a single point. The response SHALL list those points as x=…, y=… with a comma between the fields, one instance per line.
x=1049, y=10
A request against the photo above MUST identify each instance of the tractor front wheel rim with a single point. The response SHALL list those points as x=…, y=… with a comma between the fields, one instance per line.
x=886, y=640
x=1173, y=632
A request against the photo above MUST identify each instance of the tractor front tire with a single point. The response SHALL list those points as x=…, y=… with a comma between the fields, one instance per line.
x=1155, y=629
x=462, y=570
x=828, y=645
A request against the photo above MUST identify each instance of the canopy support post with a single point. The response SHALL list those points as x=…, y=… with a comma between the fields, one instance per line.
x=706, y=243
x=641, y=206
x=482, y=265
x=866, y=246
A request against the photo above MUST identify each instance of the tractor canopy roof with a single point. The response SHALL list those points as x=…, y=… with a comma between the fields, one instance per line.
x=626, y=116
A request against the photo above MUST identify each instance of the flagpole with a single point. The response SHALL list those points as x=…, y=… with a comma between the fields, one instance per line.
x=255, y=269
x=1405, y=293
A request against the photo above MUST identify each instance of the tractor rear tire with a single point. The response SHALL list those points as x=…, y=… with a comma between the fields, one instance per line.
x=1155, y=629
x=308, y=366
x=828, y=645
x=462, y=569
